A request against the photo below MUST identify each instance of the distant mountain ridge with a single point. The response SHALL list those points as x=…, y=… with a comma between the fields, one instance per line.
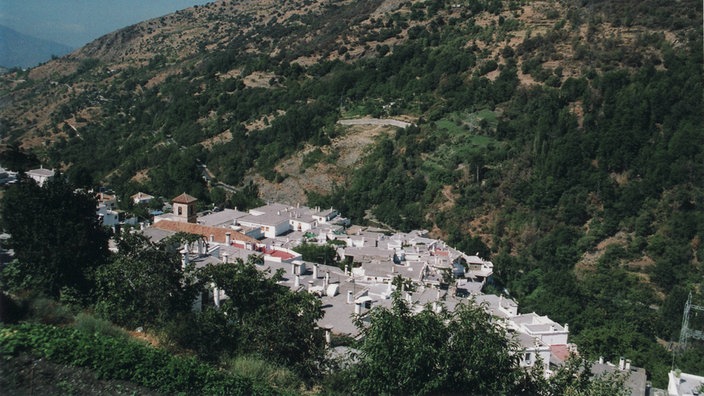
x=21, y=50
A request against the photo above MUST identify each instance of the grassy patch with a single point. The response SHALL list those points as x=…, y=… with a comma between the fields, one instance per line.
x=466, y=135
x=260, y=371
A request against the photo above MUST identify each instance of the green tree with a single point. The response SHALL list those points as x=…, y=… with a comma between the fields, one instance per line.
x=576, y=379
x=144, y=284
x=271, y=320
x=56, y=236
x=323, y=254
x=465, y=351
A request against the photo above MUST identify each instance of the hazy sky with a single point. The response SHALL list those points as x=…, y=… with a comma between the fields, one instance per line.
x=78, y=22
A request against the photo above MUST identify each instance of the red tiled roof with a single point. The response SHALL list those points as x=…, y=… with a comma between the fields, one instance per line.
x=205, y=231
x=184, y=199
x=560, y=352
x=280, y=254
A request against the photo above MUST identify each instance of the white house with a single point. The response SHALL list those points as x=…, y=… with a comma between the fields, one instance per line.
x=533, y=351
x=141, y=198
x=541, y=327
x=324, y=216
x=40, y=175
x=109, y=200
x=107, y=216
x=270, y=225
x=682, y=384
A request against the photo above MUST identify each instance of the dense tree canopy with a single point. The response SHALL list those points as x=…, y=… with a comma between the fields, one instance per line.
x=144, y=284
x=259, y=317
x=462, y=352
x=57, y=238
x=427, y=353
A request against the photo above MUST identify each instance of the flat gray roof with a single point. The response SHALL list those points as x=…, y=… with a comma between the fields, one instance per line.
x=226, y=217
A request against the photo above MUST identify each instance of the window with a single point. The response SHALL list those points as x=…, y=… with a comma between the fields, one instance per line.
x=180, y=211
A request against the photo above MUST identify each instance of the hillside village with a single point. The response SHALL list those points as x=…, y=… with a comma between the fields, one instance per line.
x=375, y=264
x=549, y=155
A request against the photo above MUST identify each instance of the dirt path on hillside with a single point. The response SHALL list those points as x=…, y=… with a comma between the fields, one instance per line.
x=375, y=121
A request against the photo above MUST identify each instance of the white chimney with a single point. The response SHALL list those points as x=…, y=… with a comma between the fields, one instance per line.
x=225, y=258
x=328, y=335
x=228, y=238
x=327, y=279
x=567, y=327
x=357, y=308
x=310, y=286
x=347, y=269
x=216, y=296
x=297, y=281
x=201, y=247
x=621, y=363
x=601, y=360
x=628, y=364
x=349, y=296
x=315, y=271
x=184, y=259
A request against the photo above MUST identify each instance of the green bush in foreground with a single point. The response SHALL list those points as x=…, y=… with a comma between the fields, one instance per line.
x=111, y=358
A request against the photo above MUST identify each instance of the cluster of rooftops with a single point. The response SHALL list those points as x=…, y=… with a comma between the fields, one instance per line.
x=440, y=277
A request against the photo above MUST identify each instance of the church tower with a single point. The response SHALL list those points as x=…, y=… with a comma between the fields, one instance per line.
x=185, y=208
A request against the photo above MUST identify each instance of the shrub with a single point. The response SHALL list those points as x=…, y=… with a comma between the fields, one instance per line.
x=89, y=324
x=48, y=311
x=113, y=358
x=260, y=371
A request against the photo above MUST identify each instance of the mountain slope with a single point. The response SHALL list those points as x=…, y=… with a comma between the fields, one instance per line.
x=20, y=50
x=562, y=138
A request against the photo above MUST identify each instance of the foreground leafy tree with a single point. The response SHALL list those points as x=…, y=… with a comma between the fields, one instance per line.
x=259, y=317
x=144, y=284
x=463, y=352
x=57, y=238
x=575, y=378
x=460, y=352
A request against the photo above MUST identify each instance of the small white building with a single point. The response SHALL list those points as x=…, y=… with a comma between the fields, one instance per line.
x=682, y=384
x=141, y=198
x=40, y=175
x=324, y=216
x=541, y=327
x=109, y=200
x=107, y=216
x=270, y=224
x=533, y=351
